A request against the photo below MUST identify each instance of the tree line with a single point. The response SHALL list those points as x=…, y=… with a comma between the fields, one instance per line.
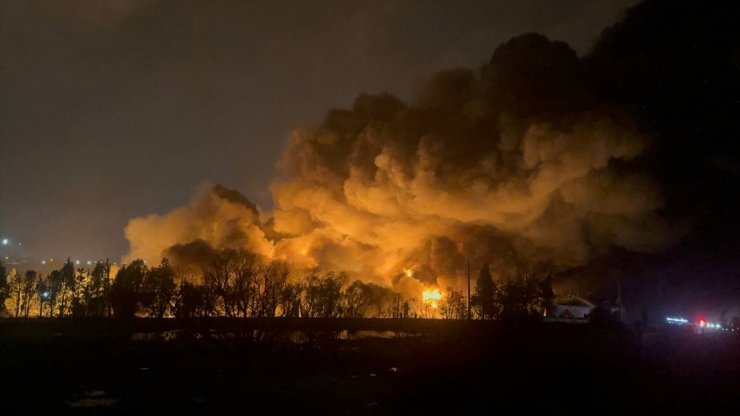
x=241, y=284
x=68, y=291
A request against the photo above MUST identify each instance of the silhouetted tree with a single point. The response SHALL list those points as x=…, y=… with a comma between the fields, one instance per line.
x=28, y=288
x=452, y=305
x=290, y=300
x=54, y=286
x=17, y=285
x=159, y=289
x=547, y=296
x=382, y=301
x=209, y=298
x=396, y=308
x=106, y=288
x=323, y=295
x=357, y=299
x=267, y=287
x=82, y=279
x=484, y=299
x=368, y=300
x=95, y=289
x=125, y=292
x=521, y=297
x=67, y=284
x=231, y=277
x=4, y=288
x=42, y=289
x=190, y=300
x=422, y=309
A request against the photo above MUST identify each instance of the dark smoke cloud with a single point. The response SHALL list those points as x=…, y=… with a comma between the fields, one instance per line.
x=676, y=66
x=540, y=161
x=217, y=217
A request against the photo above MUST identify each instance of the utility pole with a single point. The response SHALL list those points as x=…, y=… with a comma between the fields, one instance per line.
x=468, y=262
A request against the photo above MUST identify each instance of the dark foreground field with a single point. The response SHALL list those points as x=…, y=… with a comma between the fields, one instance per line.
x=381, y=367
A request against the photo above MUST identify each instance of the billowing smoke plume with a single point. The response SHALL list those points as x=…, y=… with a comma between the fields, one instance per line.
x=217, y=217
x=517, y=165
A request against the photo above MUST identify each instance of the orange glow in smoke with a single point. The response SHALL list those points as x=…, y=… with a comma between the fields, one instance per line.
x=432, y=297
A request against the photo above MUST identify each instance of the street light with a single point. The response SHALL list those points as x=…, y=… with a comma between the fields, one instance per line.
x=6, y=241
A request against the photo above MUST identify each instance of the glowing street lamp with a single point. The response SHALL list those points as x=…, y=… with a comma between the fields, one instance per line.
x=6, y=241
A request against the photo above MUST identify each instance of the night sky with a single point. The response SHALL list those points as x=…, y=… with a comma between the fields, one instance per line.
x=112, y=110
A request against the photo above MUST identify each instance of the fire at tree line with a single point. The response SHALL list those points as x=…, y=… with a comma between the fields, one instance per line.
x=241, y=284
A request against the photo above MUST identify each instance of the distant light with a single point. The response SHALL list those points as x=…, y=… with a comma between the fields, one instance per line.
x=676, y=321
x=43, y=261
x=5, y=241
x=702, y=323
x=77, y=262
x=51, y=259
x=89, y=262
x=45, y=295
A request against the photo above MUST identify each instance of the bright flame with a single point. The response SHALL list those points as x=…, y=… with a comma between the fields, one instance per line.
x=409, y=272
x=432, y=297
